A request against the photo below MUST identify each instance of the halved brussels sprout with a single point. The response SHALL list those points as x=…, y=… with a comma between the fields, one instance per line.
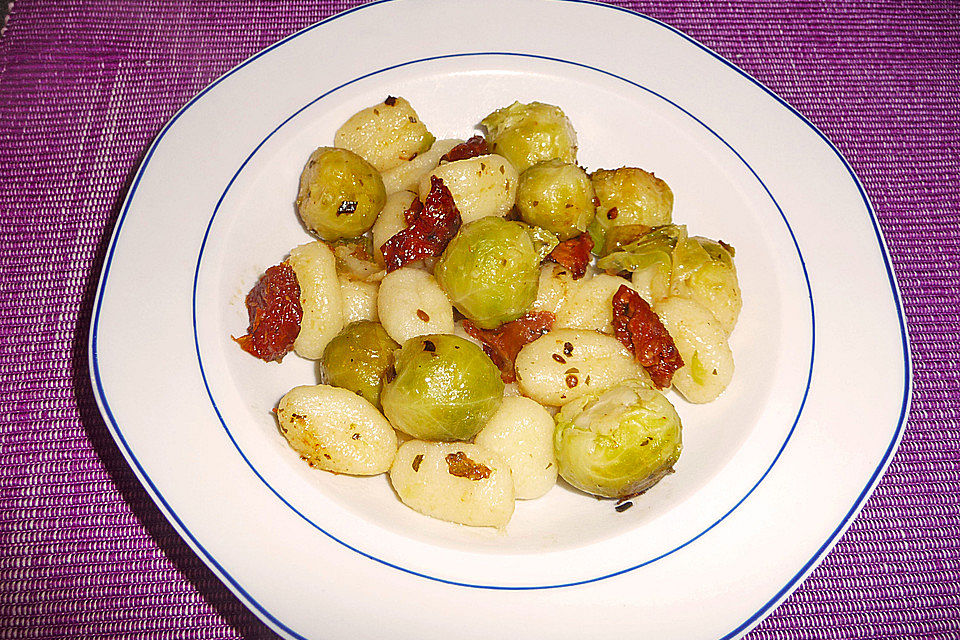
x=703, y=271
x=340, y=194
x=618, y=443
x=355, y=258
x=606, y=241
x=357, y=358
x=490, y=271
x=543, y=241
x=557, y=196
x=526, y=134
x=665, y=262
x=446, y=388
x=629, y=197
x=650, y=259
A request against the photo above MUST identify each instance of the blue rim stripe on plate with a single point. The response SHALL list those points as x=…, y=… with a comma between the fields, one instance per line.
x=238, y=589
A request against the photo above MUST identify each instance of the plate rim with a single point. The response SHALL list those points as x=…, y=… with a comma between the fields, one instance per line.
x=260, y=610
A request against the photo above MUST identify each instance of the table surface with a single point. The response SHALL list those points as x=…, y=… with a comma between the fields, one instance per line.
x=85, y=86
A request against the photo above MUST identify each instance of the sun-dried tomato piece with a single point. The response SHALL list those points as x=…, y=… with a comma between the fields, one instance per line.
x=458, y=464
x=430, y=227
x=574, y=254
x=504, y=343
x=640, y=330
x=273, y=306
x=413, y=212
x=475, y=146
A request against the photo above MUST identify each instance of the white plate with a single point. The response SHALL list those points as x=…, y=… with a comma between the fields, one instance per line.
x=772, y=473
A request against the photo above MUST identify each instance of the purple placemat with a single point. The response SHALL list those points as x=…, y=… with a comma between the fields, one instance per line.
x=85, y=86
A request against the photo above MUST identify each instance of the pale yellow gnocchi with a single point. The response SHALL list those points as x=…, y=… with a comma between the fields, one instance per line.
x=320, y=298
x=702, y=343
x=406, y=175
x=359, y=300
x=565, y=364
x=336, y=430
x=391, y=220
x=411, y=303
x=454, y=481
x=481, y=186
x=521, y=432
x=385, y=135
x=584, y=303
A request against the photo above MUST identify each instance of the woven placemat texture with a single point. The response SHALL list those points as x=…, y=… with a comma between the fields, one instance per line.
x=84, y=86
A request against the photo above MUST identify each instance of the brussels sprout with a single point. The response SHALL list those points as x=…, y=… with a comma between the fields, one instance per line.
x=629, y=197
x=446, y=388
x=340, y=194
x=557, y=196
x=606, y=241
x=355, y=258
x=618, y=443
x=599, y=236
x=703, y=271
x=490, y=271
x=650, y=259
x=526, y=134
x=543, y=241
x=357, y=358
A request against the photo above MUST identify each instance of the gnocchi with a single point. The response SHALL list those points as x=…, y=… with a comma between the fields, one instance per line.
x=391, y=220
x=481, y=186
x=406, y=175
x=578, y=304
x=385, y=135
x=320, y=298
x=454, y=481
x=336, y=430
x=521, y=432
x=359, y=300
x=702, y=342
x=411, y=304
x=565, y=364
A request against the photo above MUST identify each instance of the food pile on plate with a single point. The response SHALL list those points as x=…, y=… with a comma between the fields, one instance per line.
x=487, y=314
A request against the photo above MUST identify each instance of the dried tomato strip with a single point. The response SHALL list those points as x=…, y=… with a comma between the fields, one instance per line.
x=640, y=330
x=413, y=212
x=504, y=343
x=475, y=146
x=430, y=227
x=273, y=307
x=574, y=254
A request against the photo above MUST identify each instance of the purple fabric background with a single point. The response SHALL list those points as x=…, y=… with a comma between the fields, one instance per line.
x=83, y=550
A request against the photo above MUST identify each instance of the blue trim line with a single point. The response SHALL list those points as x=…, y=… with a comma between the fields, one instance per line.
x=239, y=589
